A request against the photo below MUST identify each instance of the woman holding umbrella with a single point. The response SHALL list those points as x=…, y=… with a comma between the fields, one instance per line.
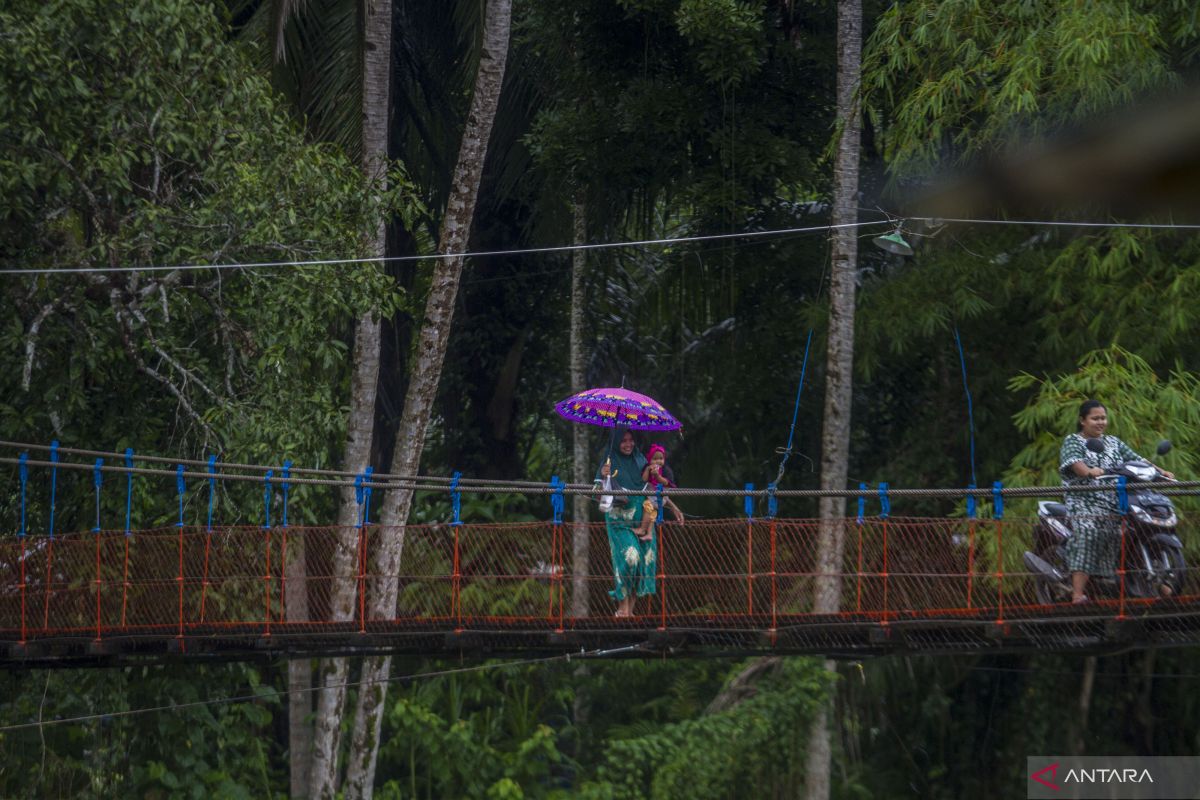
x=634, y=560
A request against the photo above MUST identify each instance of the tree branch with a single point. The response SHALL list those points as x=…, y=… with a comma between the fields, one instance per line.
x=31, y=339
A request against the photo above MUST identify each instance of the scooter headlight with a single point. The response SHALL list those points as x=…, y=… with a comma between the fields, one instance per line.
x=1141, y=515
x=1169, y=521
x=1158, y=517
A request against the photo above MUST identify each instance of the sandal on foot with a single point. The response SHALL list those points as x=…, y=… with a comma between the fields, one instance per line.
x=1081, y=600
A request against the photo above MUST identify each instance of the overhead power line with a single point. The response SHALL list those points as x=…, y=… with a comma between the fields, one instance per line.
x=440, y=256
x=566, y=248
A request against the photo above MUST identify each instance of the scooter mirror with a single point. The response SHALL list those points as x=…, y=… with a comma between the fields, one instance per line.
x=1164, y=447
x=1095, y=445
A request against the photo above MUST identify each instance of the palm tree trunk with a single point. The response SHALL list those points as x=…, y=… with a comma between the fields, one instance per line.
x=377, y=38
x=835, y=439
x=422, y=389
x=579, y=531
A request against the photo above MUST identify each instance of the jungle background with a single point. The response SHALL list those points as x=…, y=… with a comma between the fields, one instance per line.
x=146, y=132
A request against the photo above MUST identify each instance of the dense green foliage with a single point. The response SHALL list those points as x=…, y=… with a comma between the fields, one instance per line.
x=143, y=132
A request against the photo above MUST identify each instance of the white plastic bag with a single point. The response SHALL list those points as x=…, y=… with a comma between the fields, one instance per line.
x=606, y=501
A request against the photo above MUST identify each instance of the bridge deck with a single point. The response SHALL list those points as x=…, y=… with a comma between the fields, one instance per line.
x=721, y=586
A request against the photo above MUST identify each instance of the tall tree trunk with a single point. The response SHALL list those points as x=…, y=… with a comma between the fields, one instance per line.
x=300, y=705
x=580, y=557
x=376, y=65
x=422, y=389
x=835, y=439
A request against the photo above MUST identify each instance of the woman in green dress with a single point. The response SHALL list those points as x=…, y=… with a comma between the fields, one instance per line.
x=634, y=561
x=1095, y=519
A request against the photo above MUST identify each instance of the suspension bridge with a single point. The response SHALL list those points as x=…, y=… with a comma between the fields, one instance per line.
x=732, y=586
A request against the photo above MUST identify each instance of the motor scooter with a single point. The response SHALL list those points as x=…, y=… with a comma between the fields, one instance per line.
x=1154, y=560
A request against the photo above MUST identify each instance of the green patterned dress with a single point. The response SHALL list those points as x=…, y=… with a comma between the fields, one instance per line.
x=634, y=561
x=1095, y=519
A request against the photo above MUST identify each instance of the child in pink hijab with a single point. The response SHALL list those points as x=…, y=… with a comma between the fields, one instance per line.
x=653, y=476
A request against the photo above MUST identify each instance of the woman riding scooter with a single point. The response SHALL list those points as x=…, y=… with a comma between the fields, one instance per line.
x=1093, y=549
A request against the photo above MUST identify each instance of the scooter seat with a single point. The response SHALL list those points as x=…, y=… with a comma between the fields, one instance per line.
x=1056, y=509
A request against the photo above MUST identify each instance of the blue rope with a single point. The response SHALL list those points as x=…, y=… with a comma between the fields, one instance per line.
x=23, y=471
x=997, y=500
x=212, y=488
x=862, y=503
x=748, y=502
x=962, y=362
x=455, y=498
x=885, y=504
x=180, y=488
x=53, y=482
x=128, y=488
x=285, y=485
x=787, y=450
x=267, y=497
x=97, y=479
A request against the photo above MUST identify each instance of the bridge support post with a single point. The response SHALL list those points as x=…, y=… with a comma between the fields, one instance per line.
x=180, y=488
x=970, y=546
x=557, y=504
x=284, y=485
x=23, y=471
x=772, y=510
x=267, y=496
x=885, y=510
x=774, y=590
x=456, y=574
x=749, y=504
x=998, y=512
x=212, y=489
x=128, y=532
x=862, y=510
x=97, y=480
x=1122, y=507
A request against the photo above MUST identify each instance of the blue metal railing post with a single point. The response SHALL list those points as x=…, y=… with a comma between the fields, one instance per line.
x=885, y=504
x=367, y=495
x=128, y=489
x=748, y=502
x=23, y=472
x=557, y=502
x=998, y=500
x=53, y=482
x=212, y=489
x=1122, y=495
x=456, y=499
x=97, y=479
x=286, y=485
x=772, y=501
x=267, y=498
x=862, y=504
x=180, y=488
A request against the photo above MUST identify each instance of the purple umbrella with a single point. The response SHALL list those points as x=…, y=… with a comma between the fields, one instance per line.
x=611, y=408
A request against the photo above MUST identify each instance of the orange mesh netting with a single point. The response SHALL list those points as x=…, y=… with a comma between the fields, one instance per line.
x=920, y=583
